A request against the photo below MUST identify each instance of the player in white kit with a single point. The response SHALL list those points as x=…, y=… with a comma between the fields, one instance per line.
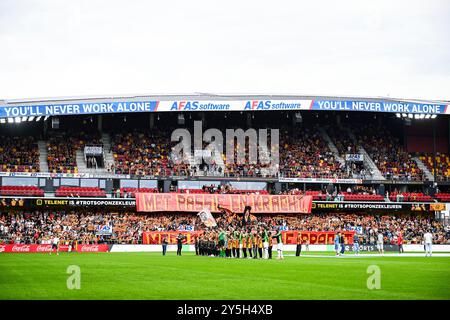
x=380, y=242
x=55, y=245
x=428, y=241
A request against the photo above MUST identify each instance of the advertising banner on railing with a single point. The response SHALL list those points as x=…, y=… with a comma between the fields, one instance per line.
x=93, y=150
x=320, y=180
x=156, y=237
x=288, y=237
x=315, y=237
x=65, y=109
x=355, y=157
x=105, y=229
x=316, y=104
x=231, y=104
x=158, y=202
x=371, y=206
x=36, y=248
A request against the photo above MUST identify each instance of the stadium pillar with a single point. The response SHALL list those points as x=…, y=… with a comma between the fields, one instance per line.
x=277, y=187
x=167, y=184
x=45, y=129
x=448, y=135
x=151, y=119
x=203, y=118
x=100, y=123
x=434, y=150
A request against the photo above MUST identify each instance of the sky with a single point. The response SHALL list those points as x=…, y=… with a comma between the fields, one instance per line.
x=53, y=48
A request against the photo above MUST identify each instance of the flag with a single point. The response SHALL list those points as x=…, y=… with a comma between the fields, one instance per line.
x=207, y=218
x=226, y=211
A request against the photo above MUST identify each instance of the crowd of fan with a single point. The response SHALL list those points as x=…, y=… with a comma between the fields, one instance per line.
x=305, y=154
x=388, y=154
x=345, y=144
x=141, y=153
x=19, y=154
x=411, y=227
x=442, y=165
x=40, y=227
x=62, y=147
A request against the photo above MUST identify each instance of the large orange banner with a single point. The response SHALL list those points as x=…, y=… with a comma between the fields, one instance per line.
x=315, y=237
x=156, y=237
x=154, y=202
x=289, y=237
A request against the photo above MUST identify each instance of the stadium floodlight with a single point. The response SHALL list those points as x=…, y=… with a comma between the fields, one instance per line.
x=417, y=116
x=45, y=118
x=17, y=120
x=421, y=116
x=398, y=115
x=404, y=115
x=31, y=118
x=10, y=120
x=2, y=120
x=24, y=119
x=427, y=116
x=410, y=115
x=38, y=118
x=433, y=116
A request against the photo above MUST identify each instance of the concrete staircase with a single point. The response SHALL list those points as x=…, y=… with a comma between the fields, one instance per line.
x=81, y=163
x=217, y=159
x=43, y=156
x=331, y=145
x=265, y=156
x=108, y=158
x=368, y=162
x=424, y=168
x=108, y=155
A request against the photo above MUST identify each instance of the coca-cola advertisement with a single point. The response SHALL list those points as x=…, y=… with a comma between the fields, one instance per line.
x=39, y=248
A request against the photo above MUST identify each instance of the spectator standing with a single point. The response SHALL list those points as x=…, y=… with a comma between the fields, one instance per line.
x=400, y=243
x=380, y=242
x=299, y=244
x=164, y=245
x=428, y=241
x=180, y=238
x=356, y=244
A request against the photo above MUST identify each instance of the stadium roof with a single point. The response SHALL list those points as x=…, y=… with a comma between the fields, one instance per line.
x=207, y=96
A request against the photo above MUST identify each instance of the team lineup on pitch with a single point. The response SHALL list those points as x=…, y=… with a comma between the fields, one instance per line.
x=313, y=275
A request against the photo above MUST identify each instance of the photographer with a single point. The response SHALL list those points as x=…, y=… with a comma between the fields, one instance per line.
x=180, y=239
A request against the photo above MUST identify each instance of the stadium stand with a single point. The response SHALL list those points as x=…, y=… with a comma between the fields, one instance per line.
x=141, y=153
x=410, y=196
x=320, y=196
x=19, y=154
x=62, y=147
x=443, y=197
x=21, y=191
x=305, y=154
x=37, y=226
x=130, y=192
x=442, y=163
x=80, y=192
x=387, y=153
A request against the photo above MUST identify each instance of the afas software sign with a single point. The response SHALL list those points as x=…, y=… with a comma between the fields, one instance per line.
x=111, y=107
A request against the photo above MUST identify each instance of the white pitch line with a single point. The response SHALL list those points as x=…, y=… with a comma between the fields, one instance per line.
x=372, y=255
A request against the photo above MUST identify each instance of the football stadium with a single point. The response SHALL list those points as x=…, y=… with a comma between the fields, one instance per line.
x=211, y=197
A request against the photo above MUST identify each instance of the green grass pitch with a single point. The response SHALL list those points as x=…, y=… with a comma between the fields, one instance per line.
x=152, y=276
